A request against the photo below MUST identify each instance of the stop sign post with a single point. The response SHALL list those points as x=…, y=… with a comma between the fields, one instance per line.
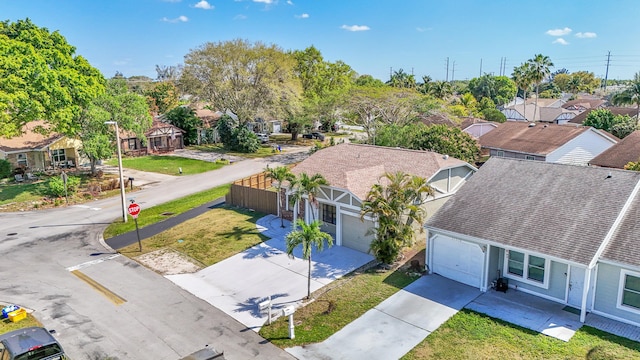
x=134, y=210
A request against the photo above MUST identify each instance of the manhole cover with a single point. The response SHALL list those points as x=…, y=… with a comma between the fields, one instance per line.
x=12, y=234
x=166, y=213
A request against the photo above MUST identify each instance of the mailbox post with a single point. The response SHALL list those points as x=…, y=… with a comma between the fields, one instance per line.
x=266, y=305
x=289, y=310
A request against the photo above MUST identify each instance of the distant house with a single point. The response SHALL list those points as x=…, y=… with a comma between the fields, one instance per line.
x=580, y=118
x=352, y=170
x=565, y=233
x=208, y=133
x=548, y=110
x=162, y=137
x=584, y=104
x=477, y=127
x=546, y=142
x=620, y=154
x=34, y=151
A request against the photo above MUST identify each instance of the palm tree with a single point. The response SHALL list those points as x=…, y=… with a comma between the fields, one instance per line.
x=395, y=207
x=630, y=95
x=440, y=89
x=539, y=68
x=279, y=174
x=523, y=82
x=309, y=236
x=307, y=186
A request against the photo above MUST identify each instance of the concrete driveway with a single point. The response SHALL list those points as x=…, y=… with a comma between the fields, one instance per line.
x=237, y=284
x=397, y=325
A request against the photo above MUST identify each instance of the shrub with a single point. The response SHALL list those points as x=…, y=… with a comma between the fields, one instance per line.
x=56, y=185
x=494, y=115
x=5, y=168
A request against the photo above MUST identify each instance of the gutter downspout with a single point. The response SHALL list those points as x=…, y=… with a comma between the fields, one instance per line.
x=603, y=246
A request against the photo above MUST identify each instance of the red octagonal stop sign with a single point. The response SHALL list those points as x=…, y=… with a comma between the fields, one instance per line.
x=134, y=210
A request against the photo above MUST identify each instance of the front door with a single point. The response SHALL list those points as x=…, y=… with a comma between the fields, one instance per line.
x=576, y=286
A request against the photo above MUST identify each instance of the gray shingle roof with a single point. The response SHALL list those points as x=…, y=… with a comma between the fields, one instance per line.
x=560, y=210
x=620, y=154
x=358, y=167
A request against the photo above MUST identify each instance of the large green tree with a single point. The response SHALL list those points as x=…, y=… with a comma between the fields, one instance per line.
x=249, y=79
x=618, y=125
x=631, y=95
x=163, y=96
x=396, y=205
x=185, y=118
x=119, y=104
x=522, y=78
x=500, y=89
x=401, y=79
x=41, y=78
x=308, y=237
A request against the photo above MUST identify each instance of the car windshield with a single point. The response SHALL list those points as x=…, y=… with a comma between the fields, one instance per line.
x=40, y=353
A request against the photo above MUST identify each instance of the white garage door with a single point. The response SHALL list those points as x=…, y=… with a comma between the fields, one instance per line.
x=354, y=233
x=458, y=260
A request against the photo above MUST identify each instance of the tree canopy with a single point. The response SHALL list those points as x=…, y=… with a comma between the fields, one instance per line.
x=41, y=78
x=500, y=89
x=249, y=79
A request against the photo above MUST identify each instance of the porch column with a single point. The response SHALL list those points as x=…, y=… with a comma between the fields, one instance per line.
x=427, y=255
x=338, y=226
x=585, y=293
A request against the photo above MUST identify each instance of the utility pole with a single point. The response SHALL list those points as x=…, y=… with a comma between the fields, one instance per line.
x=606, y=74
x=504, y=66
x=453, y=70
x=447, y=77
x=480, y=67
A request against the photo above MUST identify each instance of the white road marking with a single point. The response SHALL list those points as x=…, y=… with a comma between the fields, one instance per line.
x=87, y=207
x=92, y=262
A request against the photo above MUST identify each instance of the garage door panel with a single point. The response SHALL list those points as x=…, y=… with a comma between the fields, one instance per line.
x=458, y=260
x=354, y=233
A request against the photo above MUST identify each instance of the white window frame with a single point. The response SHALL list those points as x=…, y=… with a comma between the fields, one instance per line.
x=500, y=153
x=525, y=271
x=22, y=160
x=623, y=275
x=58, y=156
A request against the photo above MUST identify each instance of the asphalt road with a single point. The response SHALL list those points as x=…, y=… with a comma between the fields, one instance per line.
x=105, y=306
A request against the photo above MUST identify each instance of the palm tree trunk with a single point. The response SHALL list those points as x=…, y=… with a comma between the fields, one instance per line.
x=535, y=109
x=280, y=209
x=309, y=280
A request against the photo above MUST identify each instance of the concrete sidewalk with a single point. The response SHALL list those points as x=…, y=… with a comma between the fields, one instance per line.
x=236, y=285
x=397, y=325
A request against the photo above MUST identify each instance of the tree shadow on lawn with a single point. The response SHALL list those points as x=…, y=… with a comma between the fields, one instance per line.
x=605, y=336
x=238, y=233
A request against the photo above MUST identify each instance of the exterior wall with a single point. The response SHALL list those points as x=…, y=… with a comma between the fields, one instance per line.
x=515, y=155
x=606, y=294
x=580, y=150
x=432, y=206
x=477, y=130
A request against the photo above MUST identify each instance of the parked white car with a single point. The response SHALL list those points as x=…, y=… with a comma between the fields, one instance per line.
x=263, y=137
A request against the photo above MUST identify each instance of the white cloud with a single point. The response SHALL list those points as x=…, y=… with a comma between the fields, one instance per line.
x=289, y=2
x=203, y=4
x=172, y=1
x=240, y=17
x=559, y=32
x=355, y=27
x=121, y=62
x=180, y=18
x=421, y=29
x=268, y=2
x=586, y=35
x=560, y=41
x=303, y=16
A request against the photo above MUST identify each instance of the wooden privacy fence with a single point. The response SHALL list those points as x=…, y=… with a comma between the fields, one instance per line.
x=251, y=193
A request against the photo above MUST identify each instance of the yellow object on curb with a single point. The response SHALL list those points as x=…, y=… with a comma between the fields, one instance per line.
x=17, y=315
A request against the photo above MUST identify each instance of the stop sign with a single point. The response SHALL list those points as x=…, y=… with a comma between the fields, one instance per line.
x=134, y=210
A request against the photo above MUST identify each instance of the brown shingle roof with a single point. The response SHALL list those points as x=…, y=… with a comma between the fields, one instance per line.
x=358, y=167
x=560, y=210
x=540, y=139
x=580, y=118
x=617, y=156
x=584, y=104
x=29, y=140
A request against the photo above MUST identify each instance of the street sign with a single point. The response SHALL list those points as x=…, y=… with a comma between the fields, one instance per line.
x=134, y=210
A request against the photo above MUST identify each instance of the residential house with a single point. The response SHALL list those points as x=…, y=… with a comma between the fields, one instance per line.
x=37, y=151
x=561, y=232
x=161, y=137
x=580, y=118
x=351, y=170
x=584, y=104
x=208, y=133
x=477, y=127
x=548, y=110
x=566, y=144
x=620, y=154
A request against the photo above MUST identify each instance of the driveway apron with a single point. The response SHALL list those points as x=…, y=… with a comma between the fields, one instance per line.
x=397, y=325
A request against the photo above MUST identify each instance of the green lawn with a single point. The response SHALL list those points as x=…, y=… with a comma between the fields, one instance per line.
x=209, y=238
x=336, y=305
x=264, y=151
x=161, y=212
x=11, y=192
x=169, y=165
x=470, y=335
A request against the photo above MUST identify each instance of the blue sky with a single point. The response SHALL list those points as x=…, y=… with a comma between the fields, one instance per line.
x=372, y=36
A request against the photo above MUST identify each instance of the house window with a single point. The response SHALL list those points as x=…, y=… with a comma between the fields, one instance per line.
x=528, y=268
x=530, y=157
x=22, y=160
x=58, y=156
x=500, y=153
x=329, y=214
x=133, y=144
x=629, y=296
x=156, y=142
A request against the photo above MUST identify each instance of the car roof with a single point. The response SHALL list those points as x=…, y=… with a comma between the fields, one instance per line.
x=21, y=340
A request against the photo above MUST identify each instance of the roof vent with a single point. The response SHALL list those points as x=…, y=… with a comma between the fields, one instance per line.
x=609, y=175
x=532, y=124
x=445, y=156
